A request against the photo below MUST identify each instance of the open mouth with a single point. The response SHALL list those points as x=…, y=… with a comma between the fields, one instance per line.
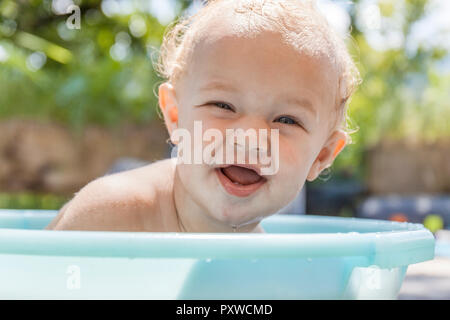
x=239, y=181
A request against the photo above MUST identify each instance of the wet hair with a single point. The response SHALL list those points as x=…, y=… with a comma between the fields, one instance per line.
x=299, y=22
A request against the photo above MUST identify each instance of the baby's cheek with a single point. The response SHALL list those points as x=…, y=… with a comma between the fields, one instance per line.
x=293, y=169
x=292, y=157
x=190, y=174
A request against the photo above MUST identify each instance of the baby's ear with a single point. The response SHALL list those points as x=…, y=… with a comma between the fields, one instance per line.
x=333, y=146
x=168, y=105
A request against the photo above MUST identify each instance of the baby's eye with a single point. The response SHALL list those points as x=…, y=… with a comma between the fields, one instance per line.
x=222, y=105
x=286, y=120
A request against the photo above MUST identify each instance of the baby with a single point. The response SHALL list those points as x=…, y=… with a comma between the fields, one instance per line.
x=274, y=65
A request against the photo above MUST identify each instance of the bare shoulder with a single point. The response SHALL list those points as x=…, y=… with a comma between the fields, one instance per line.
x=119, y=202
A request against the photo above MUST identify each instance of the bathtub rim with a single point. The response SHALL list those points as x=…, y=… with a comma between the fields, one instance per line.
x=395, y=244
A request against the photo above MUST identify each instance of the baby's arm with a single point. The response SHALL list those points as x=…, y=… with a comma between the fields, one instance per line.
x=58, y=217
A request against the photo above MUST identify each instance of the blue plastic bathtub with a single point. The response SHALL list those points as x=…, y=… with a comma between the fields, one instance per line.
x=300, y=257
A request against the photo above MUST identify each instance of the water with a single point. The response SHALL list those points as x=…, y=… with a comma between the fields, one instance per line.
x=237, y=226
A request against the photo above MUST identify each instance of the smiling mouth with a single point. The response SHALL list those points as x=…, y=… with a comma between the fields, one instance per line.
x=239, y=181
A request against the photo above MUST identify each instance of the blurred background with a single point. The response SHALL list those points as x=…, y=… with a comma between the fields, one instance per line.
x=77, y=101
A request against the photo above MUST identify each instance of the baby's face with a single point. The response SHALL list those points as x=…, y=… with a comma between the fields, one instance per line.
x=258, y=83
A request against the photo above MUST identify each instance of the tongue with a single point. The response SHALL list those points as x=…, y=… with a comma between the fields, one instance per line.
x=241, y=175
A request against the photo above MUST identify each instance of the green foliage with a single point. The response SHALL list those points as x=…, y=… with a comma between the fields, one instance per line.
x=402, y=95
x=28, y=200
x=80, y=82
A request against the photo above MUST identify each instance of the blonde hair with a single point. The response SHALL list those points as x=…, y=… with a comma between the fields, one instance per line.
x=298, y=21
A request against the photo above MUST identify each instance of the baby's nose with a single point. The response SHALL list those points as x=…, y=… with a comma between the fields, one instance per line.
x=249, y=147
x=256, y=123
x=251, y=136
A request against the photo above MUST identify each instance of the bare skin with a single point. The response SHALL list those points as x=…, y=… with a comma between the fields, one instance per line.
x=259, y=82
x=126, y=201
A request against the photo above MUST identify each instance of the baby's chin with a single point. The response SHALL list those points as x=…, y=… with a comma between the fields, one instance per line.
x=204, y=186
x=240, y=214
